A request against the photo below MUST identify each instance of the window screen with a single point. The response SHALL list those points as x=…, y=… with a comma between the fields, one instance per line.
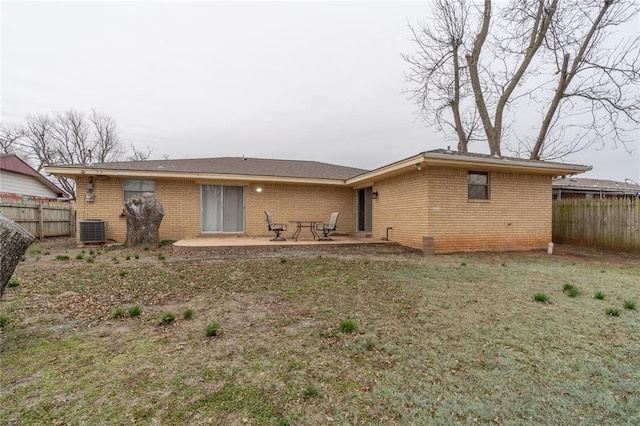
x=478, y=185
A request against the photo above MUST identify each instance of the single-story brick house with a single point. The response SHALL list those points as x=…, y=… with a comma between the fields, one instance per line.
x=451, y=201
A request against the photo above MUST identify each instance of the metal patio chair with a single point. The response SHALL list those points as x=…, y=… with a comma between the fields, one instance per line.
x=329, y=227
x=275, y=227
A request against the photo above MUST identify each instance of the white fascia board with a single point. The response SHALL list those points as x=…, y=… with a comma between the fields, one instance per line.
x=556, y=169
x=140, y=174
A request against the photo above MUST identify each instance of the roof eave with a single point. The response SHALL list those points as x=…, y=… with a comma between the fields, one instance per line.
x=505, y=164
x=139, y=174
x=387, y=171
x=427, y=159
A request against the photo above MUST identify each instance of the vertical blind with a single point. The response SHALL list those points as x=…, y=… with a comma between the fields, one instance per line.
x=222, y=208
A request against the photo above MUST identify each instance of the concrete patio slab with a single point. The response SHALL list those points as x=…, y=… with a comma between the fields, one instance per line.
x=229, y=243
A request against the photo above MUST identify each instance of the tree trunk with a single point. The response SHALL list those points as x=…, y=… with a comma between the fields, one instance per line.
x=14, y=241
x=493, y=138
x=455, y=103
x=144, y=214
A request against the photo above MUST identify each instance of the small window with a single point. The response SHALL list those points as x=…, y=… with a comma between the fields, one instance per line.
x=137, y=187
x=478, y=185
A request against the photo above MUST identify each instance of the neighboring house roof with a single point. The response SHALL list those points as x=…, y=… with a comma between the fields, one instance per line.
x=309, y=171
x=13, y=163
x=596, y=186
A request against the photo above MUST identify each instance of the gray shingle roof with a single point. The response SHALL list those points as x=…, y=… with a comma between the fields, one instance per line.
x=585, y=184
x=236, y=166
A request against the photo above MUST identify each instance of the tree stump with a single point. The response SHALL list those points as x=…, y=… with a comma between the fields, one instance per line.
x=144, y=214
x=14, y=241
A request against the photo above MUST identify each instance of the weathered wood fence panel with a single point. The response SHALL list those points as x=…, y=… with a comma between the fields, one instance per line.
x=41, y=220
x=602, y=223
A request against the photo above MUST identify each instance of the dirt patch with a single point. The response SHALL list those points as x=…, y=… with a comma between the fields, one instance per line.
x=597, y=256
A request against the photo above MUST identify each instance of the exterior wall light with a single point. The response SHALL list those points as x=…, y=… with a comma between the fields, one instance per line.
x=374, y=195
x=258, y=189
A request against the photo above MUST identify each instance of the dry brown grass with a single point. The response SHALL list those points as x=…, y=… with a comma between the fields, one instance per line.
x=435, y=342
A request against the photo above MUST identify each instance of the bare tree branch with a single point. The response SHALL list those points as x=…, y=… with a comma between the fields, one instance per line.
x=37, y=134
x=10, y=140
x=139, y=154
x=439, y=73
x=106, y=145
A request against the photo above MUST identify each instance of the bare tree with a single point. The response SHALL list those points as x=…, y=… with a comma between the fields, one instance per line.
x=106, y=144
x=38, y=141
x=560, y=64
x=71, y=137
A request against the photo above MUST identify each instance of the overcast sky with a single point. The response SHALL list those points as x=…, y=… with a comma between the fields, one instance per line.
x=290, y=80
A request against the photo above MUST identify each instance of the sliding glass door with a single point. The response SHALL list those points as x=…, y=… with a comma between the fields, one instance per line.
x=363, y=210
x=222, y=208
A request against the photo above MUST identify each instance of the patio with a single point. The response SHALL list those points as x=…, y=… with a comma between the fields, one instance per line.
x=213, y=244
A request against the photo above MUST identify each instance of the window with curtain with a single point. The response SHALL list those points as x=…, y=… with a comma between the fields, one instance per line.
x=137, y=187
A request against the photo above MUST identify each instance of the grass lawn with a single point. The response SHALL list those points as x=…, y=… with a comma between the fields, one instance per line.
x=341, y=336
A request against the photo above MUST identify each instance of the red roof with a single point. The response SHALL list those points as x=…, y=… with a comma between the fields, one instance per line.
x=13, y=163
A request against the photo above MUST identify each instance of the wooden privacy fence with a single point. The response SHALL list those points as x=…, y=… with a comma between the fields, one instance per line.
x=603, y=223
x=41, y=220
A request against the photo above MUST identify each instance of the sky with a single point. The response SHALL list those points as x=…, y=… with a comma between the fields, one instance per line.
x=321, y=81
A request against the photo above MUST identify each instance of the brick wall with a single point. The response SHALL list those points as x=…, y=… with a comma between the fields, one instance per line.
x=428, y=203
x=301, y=202
x=401, y=204
x=516, y=217
x=433, y=203
x=181, y=202
x=107, y=205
